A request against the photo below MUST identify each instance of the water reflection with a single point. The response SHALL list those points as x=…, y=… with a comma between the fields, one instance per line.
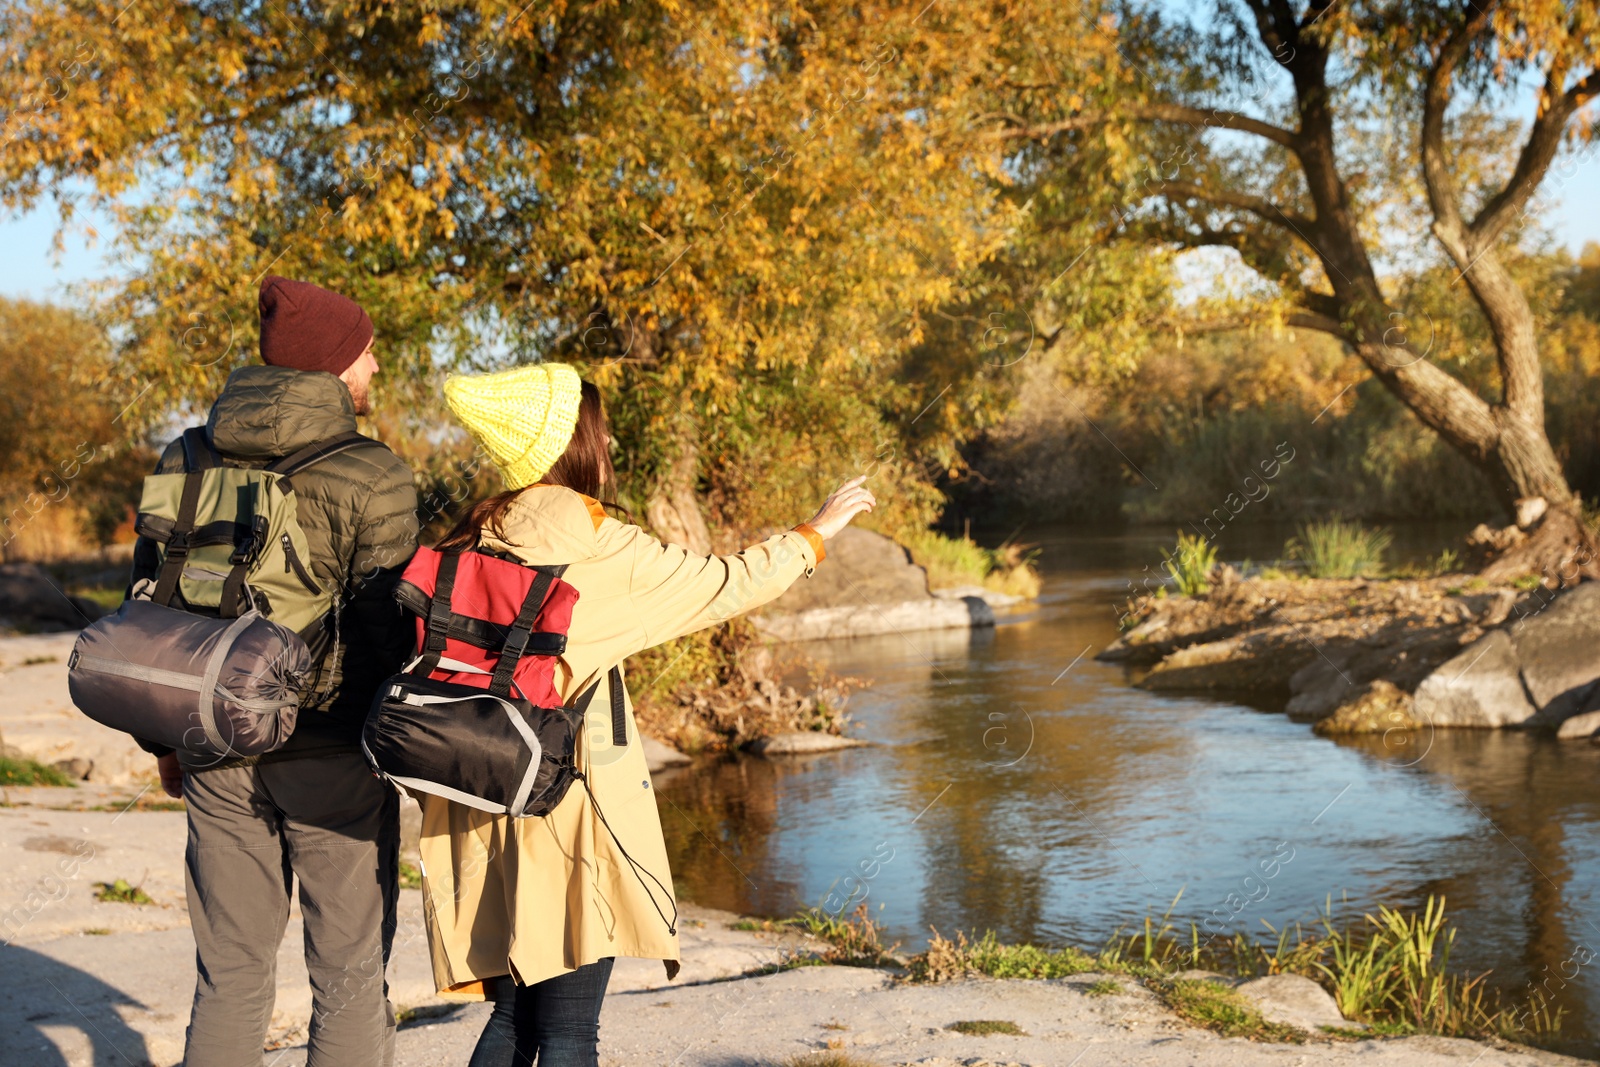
x=1018, y=785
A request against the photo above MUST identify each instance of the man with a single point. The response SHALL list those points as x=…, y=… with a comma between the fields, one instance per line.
x=311, y=809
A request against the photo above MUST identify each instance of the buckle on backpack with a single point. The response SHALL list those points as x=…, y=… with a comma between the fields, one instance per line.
x=178, y=544
x=516, y=644
x=248, y=550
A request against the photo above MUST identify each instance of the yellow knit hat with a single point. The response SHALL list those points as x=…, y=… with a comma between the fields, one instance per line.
x=523, y=417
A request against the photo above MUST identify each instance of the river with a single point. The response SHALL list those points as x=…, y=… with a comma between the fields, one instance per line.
x=1018, y=785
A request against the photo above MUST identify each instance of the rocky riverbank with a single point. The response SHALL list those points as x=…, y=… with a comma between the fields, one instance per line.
x=88, y=981
x=1364, y=655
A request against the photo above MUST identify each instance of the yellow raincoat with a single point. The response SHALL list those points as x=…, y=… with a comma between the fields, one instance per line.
x=543, y=896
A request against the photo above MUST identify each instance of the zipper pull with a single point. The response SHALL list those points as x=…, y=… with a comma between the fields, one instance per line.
x=288, y=552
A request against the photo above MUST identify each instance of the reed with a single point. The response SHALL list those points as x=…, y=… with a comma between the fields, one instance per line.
x=1190, y=564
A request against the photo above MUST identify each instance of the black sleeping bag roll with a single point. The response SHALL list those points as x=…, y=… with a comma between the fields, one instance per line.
x=494, y=753
x=209, y=687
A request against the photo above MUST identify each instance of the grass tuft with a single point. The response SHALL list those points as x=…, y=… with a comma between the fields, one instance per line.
x=1216, y=1007
x=957, y=561
x=144, y=802
x=120, y=892
x=828, y=1058
x=852, y=942
x=421, y=1013
x=21, y=770
x=986, y=1027
x=947, y=960
x=1105, y=987
x=1339, y=549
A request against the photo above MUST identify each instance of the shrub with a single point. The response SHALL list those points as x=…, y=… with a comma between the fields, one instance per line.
x=956, y=561
x=1339, y=549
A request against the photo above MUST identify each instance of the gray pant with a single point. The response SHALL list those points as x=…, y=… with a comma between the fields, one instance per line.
x=328, y=821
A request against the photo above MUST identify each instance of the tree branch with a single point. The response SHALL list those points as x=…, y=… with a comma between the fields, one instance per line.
x=1443, y=198
x=1259, y=206
x=1215, y=118
x=1305, y=320
x=1310, y=320
x=1544, y=141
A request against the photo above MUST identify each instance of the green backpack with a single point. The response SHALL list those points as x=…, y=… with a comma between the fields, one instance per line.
x=229, y=539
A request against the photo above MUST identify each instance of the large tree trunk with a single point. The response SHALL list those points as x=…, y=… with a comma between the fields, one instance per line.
x=673, y=510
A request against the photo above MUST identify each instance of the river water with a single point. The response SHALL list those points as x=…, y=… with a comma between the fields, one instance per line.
x=1020, y=786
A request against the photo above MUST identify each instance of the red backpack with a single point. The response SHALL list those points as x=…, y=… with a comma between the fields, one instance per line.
x=476, y=716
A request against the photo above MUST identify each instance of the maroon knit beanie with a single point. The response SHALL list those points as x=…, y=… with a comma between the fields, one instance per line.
x=307, y=327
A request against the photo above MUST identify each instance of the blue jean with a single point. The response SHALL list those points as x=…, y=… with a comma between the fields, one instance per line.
x=555, y=1023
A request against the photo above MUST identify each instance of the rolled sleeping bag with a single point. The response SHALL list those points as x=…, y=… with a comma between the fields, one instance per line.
x=210, y=687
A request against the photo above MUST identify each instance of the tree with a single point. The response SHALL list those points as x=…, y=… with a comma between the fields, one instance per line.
x=1316, y=198
x=61, y=464
x=688, y=199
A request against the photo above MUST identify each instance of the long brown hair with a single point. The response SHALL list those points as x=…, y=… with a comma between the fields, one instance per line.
x=585, y=467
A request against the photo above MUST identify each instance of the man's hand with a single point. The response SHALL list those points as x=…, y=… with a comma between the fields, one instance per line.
x=171, y=775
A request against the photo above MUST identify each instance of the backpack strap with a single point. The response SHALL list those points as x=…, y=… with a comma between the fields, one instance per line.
x=198, y=456
x=619, y=717
x=517, y=640
x=619, y=720
x=444, y=584
x=316, y=452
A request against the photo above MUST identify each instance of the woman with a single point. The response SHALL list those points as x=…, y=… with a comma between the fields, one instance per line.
x=532, y=912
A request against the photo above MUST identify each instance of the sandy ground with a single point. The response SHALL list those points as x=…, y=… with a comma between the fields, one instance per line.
x=84, y=982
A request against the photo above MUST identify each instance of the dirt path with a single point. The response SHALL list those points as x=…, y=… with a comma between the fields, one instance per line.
x=85, y=982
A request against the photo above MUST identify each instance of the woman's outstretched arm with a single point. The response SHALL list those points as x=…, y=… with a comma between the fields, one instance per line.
x=677, y=592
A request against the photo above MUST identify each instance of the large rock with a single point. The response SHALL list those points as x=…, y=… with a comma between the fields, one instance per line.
x=1248, y=663
x=862, y=568
x=1480, y=687
x=1580, y=727
x=801, y=743
x=658, y=755
x=865, y=620
x=1376, y=708
x=868, y=585
x=1537, y=672
x=28, y=596
x=1293, y=1000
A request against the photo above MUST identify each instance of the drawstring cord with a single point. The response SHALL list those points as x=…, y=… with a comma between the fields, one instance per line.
x=638, y=869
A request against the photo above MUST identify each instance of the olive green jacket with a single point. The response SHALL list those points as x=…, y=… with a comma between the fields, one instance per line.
x=358, y=509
